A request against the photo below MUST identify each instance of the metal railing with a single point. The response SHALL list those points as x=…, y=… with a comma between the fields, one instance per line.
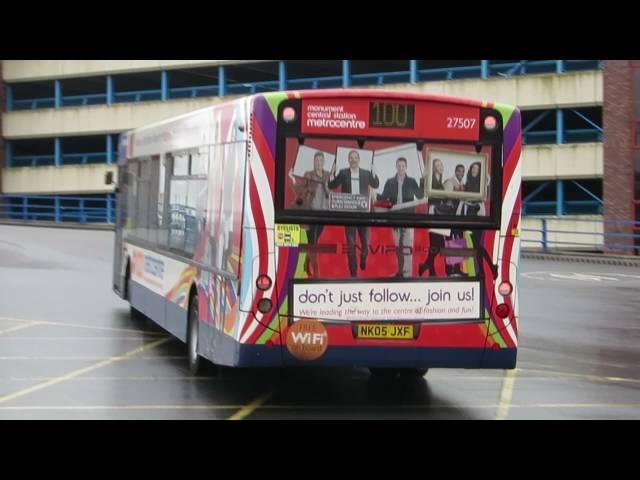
x=589, y=235
x=60, y=208
x=574, y=135
x=569, y=207
x=66, y=159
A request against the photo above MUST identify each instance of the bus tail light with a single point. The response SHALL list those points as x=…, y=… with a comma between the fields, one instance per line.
x=264, y=305
x=289, y=114
x=490, y=123
x=505, y=289
x=503, y=310
x=263, y=282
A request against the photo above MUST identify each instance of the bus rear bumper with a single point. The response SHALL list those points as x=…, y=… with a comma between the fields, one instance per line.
x=381, y=357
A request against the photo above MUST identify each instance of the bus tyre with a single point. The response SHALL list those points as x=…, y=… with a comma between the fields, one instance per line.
x=414, y=372
x=388, y=373
x=192, y=336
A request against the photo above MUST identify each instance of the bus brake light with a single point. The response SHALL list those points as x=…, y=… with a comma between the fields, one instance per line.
x=264, y=305
x=503, y=310
x=263, y=282
x=289, y=114
x=490, y=123
x=505, y=289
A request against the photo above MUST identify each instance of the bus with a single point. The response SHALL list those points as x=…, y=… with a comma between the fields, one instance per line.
x=351, y=228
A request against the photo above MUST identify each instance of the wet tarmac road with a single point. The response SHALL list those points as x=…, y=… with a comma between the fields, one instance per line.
x=68, y=349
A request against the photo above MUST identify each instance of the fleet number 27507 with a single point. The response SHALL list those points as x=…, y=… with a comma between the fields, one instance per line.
x=460, y=122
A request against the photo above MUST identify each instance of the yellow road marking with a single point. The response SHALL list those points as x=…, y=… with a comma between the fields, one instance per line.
x=402, y=408
x=140, y=378
x=597, y=378
x=78, y=358
x=79, y=325
x=119, y=407
x=75, y=373
x=249, y=408
x=66, y=339
x=19, y=327
x=506, y=392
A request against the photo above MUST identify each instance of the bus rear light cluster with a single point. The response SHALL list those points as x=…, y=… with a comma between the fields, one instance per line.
x=289, y=114
x=503, y=310
x=264, y=305
x=263, y=282
x=505, y=289
x=490, y=123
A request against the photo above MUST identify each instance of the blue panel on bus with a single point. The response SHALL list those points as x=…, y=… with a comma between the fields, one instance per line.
x=263, y=356
x=395, y=357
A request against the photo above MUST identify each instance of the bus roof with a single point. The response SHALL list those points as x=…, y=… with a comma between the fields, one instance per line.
x=391, y=94
x=335, y=93
x=157, y=128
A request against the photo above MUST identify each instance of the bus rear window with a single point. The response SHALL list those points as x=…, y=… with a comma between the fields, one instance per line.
x=386, y=179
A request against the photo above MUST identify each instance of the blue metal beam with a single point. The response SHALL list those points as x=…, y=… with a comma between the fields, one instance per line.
x=559, y=127
x=515, y=68
x=110, y=91
x=282, y=75
x=83, y=218
x=538, y=189
x=57, y=86
x=109, y=208
x=8, y=151
x=559, y=197
x=57, y=208
x=109, y=139
x=588, y=192
x=221, y=81
x=57, y=148
x=587, y=120
x=560, y=66
x=8, y=95
x=484, y=68
x=346, y=73
x=535, y=121
x=413, y=71
x=164, y=85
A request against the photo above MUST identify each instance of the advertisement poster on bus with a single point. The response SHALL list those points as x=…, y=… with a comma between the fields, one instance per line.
x=388, y=301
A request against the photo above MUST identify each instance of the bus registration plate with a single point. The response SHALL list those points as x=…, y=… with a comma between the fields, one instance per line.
x=384, y=331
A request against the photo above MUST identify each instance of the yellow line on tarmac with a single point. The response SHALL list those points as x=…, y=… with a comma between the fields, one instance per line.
x=505, y=394
x=80, y=325
x=75, y=373
x=140, y=378
x=20, y=327
x=249, y=408
x=403, y=409
x=596, y=378
x=118, y=407
x=90, y=357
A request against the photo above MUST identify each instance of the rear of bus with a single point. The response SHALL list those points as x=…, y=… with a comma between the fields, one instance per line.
x=383, y=231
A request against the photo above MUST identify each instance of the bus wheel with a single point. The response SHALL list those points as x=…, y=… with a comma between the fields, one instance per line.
x=192, y=336
x=414, y=372
x=388, y=373
x=383, y=373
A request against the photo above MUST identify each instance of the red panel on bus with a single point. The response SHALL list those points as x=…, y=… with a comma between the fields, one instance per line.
x=396, y=118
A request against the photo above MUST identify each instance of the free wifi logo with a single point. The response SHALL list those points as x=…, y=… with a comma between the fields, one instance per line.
x=307, y=339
